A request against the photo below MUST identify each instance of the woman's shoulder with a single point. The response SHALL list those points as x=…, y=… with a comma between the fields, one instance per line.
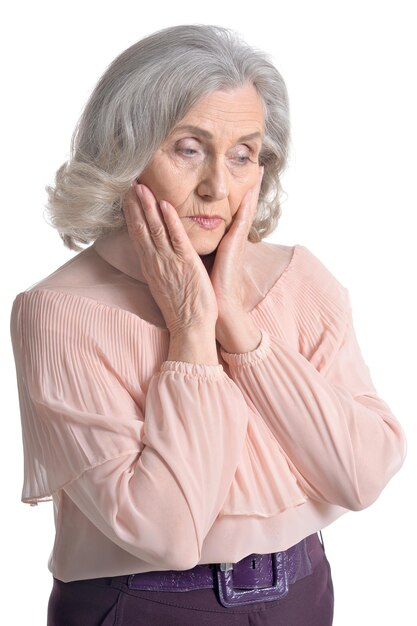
x=318, y=284
x=298, y=279
x=71, y=296
x=78, y=275
x=87, y=279
x=264, y=264
x=307, y=306
x=291, y=266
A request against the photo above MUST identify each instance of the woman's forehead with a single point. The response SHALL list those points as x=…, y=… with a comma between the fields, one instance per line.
x=240, y=109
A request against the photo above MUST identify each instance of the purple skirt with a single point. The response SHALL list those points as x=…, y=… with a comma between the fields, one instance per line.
x=110, y=602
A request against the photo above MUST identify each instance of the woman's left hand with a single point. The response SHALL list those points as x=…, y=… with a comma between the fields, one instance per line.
x=227, y=272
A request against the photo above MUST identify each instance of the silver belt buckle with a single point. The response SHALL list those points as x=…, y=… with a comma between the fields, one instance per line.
x=225, y=567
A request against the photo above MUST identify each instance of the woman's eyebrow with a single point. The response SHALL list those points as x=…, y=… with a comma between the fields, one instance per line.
x=205, y=133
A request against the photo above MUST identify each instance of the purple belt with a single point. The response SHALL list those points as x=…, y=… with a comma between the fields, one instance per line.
x=255, y=578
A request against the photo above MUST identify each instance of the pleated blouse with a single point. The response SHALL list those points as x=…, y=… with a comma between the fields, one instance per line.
x=154, y=464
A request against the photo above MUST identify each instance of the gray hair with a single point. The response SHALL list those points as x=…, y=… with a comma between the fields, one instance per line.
x=135, y=105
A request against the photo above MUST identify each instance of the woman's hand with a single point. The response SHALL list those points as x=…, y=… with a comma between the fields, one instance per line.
x=174, y=272
x=227, y=273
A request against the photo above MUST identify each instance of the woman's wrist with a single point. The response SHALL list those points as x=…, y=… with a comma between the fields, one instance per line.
x=194, y=345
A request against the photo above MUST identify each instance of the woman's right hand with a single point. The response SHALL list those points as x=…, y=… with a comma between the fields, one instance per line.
x=175, y=274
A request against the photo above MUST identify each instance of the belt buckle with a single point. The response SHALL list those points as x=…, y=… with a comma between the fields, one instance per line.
x=225, y=567
x=229, y=596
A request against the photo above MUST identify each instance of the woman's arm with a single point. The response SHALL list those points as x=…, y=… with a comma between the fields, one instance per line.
x=159, y=504
x=151, y=467
x=341, y=439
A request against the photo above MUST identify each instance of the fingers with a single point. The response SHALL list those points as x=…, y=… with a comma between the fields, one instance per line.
x=147, y=221
x=250, y=202
x=180, y=241
x=150, y=226
x=154, y=217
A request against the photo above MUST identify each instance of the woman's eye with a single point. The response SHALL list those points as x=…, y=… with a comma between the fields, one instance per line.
x=241, y=160
x=188, y=147
x=238, y=159
x=188, y=150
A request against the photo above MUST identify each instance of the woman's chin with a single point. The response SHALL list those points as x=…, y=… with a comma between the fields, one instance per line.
x=208, y=252
x=205, y=248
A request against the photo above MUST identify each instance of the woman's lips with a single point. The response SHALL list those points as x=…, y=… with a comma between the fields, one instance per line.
x=207, y=222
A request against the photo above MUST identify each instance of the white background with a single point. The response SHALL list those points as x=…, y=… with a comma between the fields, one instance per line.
x=350, y=69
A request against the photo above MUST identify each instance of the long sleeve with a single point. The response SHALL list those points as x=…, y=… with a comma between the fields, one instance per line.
x=341, y=440
x=149, y=467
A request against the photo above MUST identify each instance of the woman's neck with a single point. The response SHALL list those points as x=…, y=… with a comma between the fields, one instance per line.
x=208, y=260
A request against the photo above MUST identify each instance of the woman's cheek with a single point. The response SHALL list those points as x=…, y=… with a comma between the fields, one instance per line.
x=160, y=182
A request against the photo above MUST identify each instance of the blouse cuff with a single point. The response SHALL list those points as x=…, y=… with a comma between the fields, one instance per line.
x=248, y=358
x=196, y=370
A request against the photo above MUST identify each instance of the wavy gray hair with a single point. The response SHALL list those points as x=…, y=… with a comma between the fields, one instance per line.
x=136, y=103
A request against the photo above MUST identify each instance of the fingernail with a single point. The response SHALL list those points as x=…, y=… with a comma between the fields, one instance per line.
x=139, y=191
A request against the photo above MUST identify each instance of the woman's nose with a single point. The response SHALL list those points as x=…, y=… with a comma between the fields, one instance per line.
x=214, y=180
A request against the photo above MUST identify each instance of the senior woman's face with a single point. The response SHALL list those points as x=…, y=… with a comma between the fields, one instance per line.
x=207, y=169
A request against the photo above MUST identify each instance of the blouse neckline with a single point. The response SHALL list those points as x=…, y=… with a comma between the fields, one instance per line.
x=124, y=264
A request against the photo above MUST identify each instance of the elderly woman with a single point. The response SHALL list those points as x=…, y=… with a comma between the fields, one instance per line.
x=193, y=399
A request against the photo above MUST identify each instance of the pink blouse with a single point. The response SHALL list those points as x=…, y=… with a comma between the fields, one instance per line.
x=154, y=464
